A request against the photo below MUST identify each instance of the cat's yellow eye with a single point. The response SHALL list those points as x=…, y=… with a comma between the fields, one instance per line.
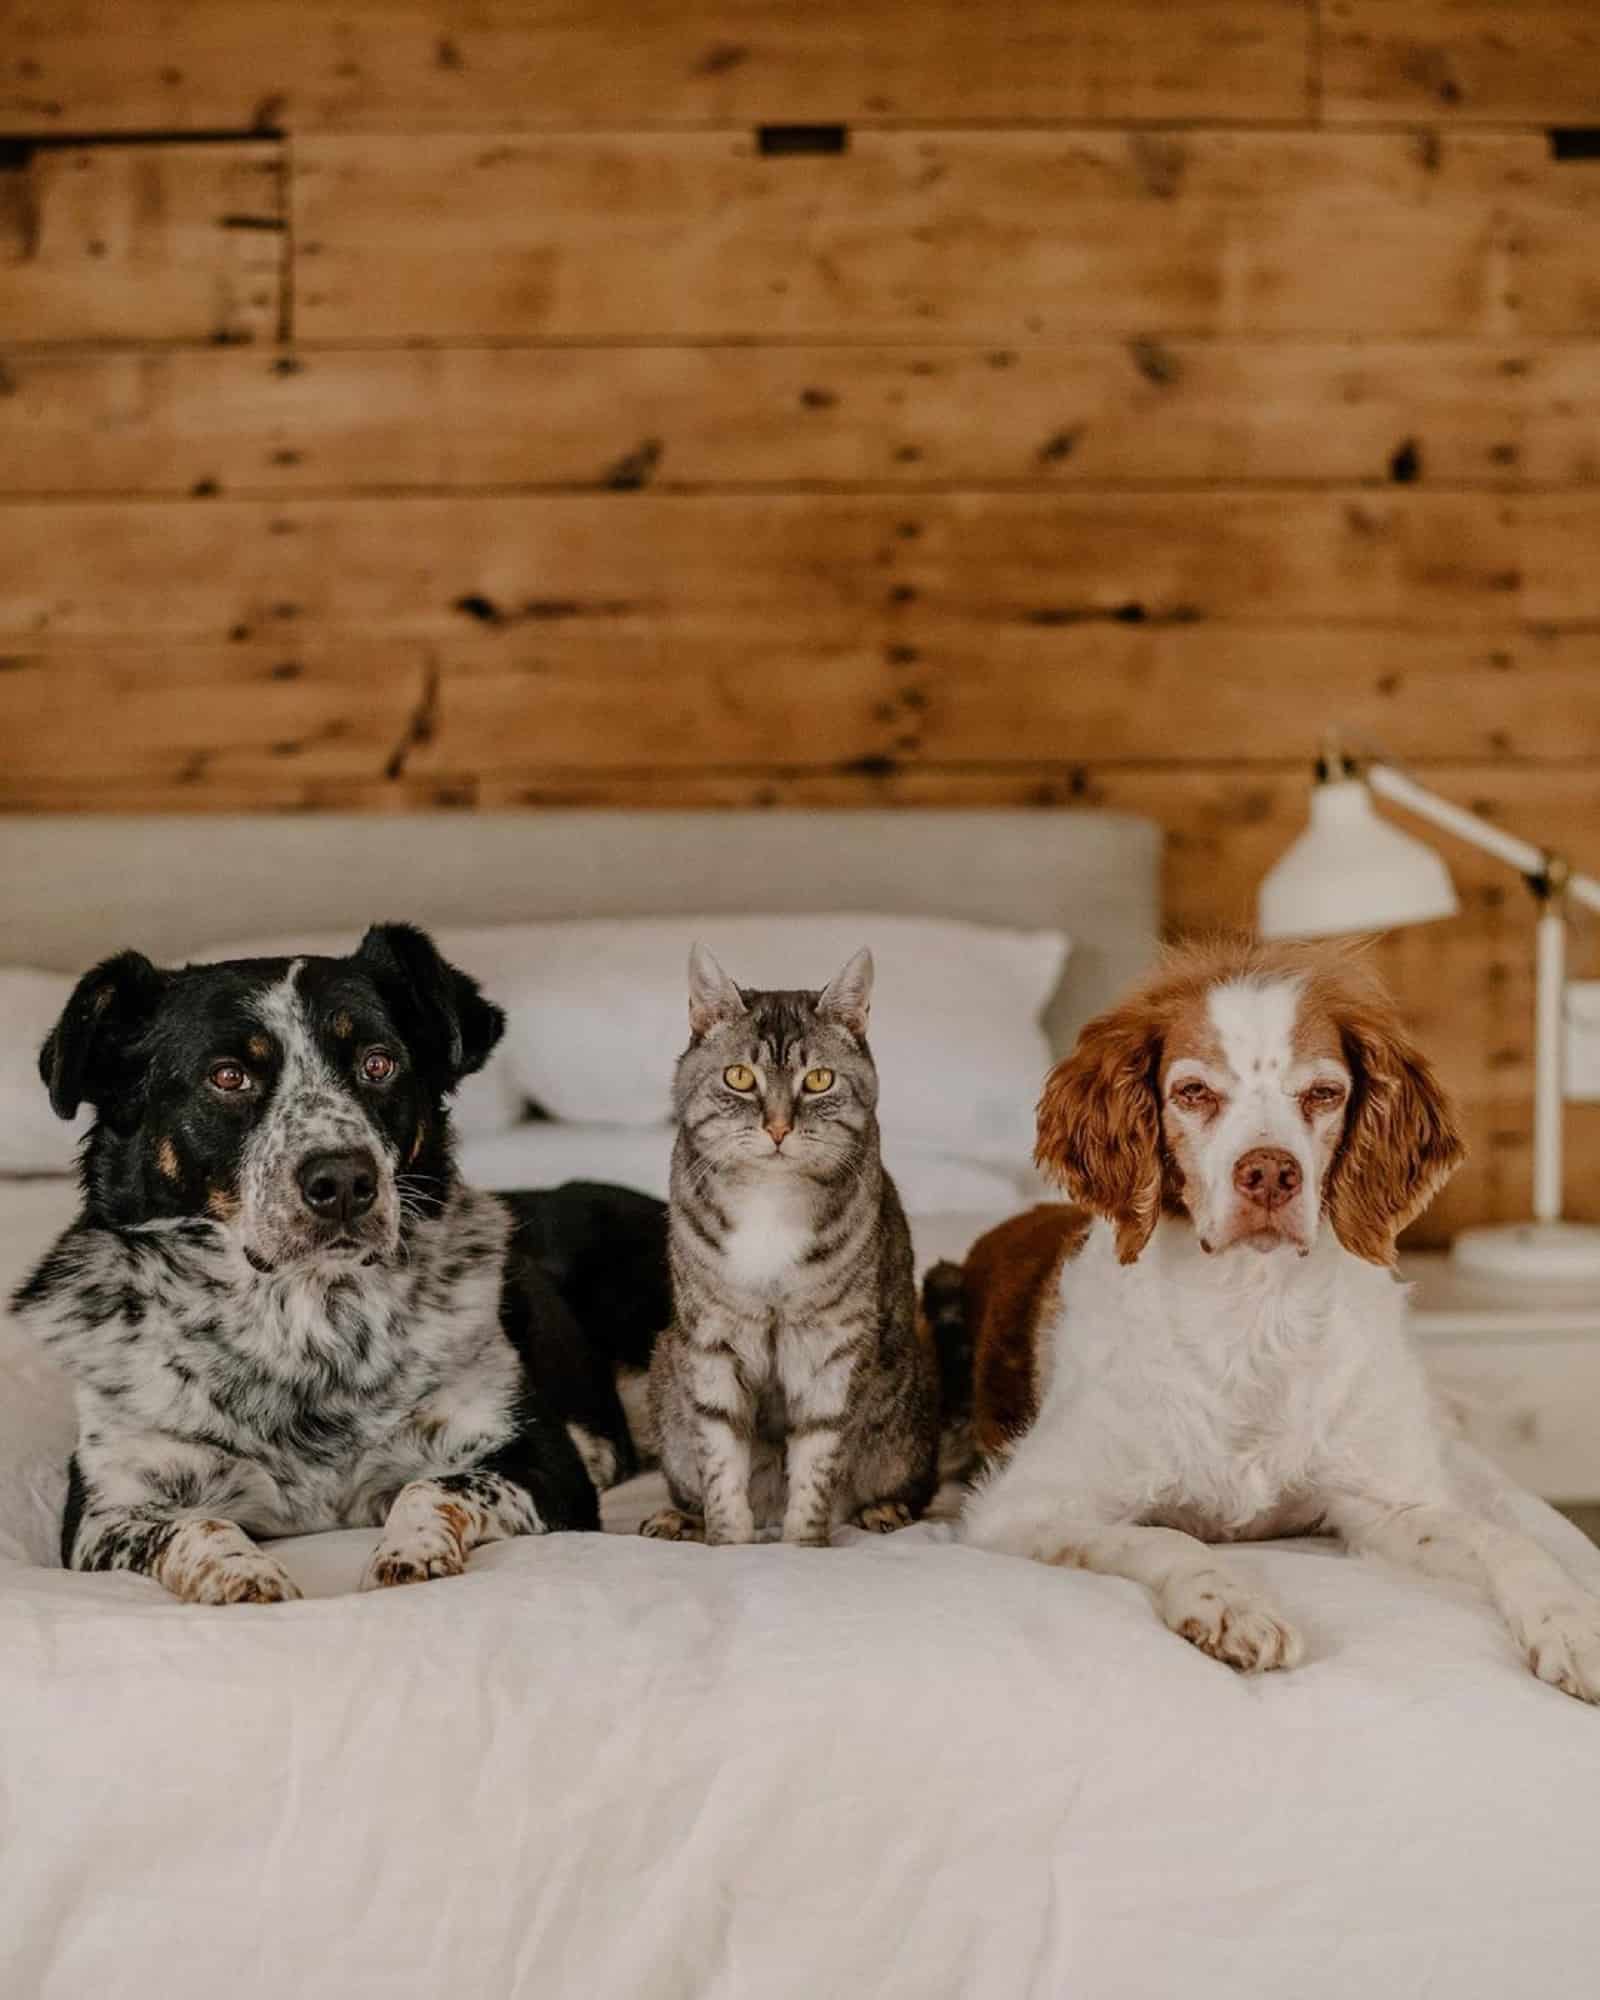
x=817, y=1081
x=739, y=1076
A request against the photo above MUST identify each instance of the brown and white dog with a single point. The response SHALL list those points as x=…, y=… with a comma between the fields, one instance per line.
x=1212, y=1346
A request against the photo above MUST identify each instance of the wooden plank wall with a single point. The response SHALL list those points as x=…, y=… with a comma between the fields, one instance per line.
x=715, y=401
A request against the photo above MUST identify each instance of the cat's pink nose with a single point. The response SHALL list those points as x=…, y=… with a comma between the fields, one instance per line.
x=777, y=1131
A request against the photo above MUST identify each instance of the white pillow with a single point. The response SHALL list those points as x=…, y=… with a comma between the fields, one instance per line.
x=33, y=1140
x=599, y=1015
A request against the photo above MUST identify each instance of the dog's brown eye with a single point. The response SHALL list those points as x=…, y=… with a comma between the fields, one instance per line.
x=1323, y=1097
x=228, y=1077
x=377, y=1065
x=1194, y=1095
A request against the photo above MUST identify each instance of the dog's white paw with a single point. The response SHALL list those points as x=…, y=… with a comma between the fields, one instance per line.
x=1563, y=1646
x=214, y=1562
x=412, y=1562
x=241, y=1580
x=1212, y=1612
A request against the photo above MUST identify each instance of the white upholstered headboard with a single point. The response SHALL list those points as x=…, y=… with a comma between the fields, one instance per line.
x=73, y=888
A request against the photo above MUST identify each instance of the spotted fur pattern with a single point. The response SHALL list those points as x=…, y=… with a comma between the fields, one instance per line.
x=243, y=1367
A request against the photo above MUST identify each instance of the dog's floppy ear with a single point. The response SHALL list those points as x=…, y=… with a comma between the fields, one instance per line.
x=442, y=1009
x=1401, y=1143
x=85, y=1056
x=1099, y=1129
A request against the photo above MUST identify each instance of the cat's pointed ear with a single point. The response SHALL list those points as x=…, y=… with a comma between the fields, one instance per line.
x=847, y=997
x=713, y=997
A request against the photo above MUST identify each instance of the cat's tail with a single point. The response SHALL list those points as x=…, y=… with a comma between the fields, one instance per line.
x=945, y=1315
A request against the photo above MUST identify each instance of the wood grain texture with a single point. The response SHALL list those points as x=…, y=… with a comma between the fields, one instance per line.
x=812, y=570
x=1459, y=61
x=1137, y=411
x=996, y=236
x=1095, y=427
x=153, y=243
x=286, y=705
x=407, y=65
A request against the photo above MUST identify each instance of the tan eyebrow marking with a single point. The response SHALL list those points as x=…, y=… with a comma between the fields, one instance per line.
x=343, y=1026
x=259, y=1047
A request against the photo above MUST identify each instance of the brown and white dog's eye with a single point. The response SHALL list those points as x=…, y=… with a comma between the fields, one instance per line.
x=1321, y=1097
x=228, y=1077
x=1193, y=1095
x=377, y=1066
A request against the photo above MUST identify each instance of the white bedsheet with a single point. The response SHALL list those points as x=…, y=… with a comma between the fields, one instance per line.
x=603, y=1767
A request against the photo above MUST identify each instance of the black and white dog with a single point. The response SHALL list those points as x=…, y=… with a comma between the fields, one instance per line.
x=283, y=1310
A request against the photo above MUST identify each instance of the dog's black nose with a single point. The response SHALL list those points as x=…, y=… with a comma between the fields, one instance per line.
x=339, y=1187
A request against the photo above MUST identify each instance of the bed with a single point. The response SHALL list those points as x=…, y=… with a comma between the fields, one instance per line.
x=608, y=1767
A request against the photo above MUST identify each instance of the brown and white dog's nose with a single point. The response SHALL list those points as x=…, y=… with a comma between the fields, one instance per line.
x=1267, y=1177
x=339, y=1187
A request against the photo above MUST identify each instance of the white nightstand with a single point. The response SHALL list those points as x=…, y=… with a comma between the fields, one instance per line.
x=1521, y=1369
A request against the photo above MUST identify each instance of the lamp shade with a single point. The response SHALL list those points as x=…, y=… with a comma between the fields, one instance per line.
x=1352, y=871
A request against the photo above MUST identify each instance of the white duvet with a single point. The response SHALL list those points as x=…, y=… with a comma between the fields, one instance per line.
x=605, y=1767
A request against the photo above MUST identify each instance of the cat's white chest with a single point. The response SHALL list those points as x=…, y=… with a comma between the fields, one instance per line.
x=771, y=1233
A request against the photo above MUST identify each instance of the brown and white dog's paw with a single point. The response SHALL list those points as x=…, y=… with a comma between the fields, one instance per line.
x=1247, y=1633
x=884, y=1517
x=1563, y=1647
x=214, y=1562
x=671, y=1525
x=420, y=1561
x=245, y=1580
x=266, y=1582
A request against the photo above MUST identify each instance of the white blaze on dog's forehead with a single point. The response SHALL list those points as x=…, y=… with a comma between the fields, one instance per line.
x=1255, y=1022
x=282, y=1009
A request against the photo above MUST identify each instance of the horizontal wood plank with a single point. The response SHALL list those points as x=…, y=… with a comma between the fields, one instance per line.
x=812, y=572
x=1459, y=61
x=405, y=65
x=993, y=236
x=299, y=706
x=174, y=242
x=1096, y=412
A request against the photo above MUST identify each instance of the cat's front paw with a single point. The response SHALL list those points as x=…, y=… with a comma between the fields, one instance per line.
x=671, y=1525
x=884, y=1517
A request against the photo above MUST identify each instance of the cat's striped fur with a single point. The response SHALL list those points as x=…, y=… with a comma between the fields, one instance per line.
x=795, y=1384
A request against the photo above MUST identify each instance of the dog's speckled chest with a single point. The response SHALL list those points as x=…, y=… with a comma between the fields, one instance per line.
x=289, y=1402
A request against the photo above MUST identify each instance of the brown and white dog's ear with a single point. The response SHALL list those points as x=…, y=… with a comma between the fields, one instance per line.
x=1401, y=1142
x=1099, y=1130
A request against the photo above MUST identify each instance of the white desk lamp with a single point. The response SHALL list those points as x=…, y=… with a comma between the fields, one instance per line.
x=1352, y=871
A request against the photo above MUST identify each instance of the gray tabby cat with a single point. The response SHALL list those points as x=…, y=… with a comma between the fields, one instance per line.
x=795, y=1382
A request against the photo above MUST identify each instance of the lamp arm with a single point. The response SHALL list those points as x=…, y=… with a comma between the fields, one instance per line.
x=1478, y=832
x=1551, y=880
